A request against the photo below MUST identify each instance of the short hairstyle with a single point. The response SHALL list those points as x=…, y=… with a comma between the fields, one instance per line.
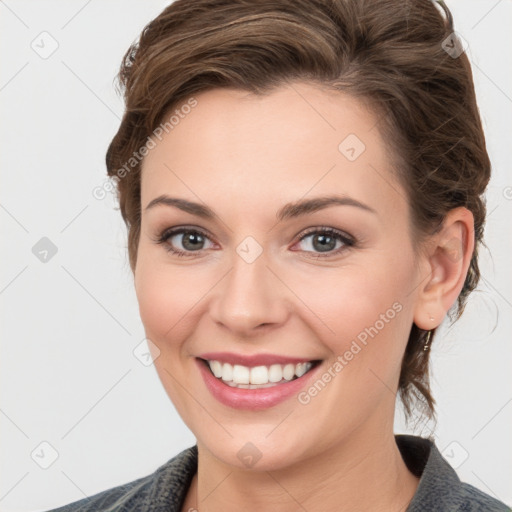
x=392, y=54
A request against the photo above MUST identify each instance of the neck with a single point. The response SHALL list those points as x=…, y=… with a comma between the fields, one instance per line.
x=362, y=473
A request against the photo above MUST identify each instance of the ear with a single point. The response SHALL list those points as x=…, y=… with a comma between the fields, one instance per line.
x=446, y=262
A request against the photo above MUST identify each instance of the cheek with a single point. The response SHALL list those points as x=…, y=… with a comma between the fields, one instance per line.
x=365, y=312
x=357, y=299
x=155, y=301
x=370, y=312
x=166, y=299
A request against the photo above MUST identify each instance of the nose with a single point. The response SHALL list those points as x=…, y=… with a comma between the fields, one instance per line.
x=250, y=299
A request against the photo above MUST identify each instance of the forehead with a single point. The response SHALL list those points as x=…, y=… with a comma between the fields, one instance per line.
x=262, y=149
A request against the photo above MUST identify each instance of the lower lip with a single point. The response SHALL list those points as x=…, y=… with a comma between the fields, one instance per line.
x=253, y=399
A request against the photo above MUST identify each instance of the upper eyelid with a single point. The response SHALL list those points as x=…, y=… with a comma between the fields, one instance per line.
x=323, y=229
x=307, y=231
x=168, y=233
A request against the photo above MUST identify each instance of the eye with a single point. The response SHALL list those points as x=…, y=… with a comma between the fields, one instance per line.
x=321, y=241
x=327, y=241
x=192, y=240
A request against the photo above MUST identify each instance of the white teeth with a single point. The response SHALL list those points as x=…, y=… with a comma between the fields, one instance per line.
x=216, y=368
x=227, y=372
x=275, y=373
x=257, y=376
x=241, y=374
x=289, y=371
x=301, y=369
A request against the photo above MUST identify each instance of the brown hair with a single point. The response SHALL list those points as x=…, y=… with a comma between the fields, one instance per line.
x=390, y=53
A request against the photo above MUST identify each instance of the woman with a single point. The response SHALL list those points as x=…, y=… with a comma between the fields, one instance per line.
x=302, y=184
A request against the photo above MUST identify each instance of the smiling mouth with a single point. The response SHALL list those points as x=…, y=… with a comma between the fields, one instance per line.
x=257, y=377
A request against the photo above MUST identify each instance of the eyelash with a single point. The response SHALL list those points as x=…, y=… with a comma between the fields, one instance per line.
x=347, y=240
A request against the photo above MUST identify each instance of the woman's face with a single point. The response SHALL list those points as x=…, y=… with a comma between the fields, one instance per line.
x=261, y=284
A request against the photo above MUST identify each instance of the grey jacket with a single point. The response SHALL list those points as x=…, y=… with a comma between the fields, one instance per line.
x=439, y=490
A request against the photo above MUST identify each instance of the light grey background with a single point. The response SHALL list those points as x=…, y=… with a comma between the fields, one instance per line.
x=69, y=376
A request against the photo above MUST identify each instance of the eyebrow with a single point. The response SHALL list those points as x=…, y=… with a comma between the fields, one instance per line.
x=288, y=211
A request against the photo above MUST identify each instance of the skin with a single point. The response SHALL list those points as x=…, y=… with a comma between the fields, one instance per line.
x=245, y=156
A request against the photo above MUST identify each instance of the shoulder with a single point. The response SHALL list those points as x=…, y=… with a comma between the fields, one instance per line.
x=163, y=490
x=440, y=487
x=474, y=500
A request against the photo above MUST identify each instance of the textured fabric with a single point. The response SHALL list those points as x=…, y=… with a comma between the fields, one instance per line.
x=439, y=490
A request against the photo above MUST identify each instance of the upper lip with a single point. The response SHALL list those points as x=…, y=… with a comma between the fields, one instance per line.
x=253, y=359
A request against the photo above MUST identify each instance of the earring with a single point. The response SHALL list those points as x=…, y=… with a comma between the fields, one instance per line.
x=427, y=341
x=429, y=336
